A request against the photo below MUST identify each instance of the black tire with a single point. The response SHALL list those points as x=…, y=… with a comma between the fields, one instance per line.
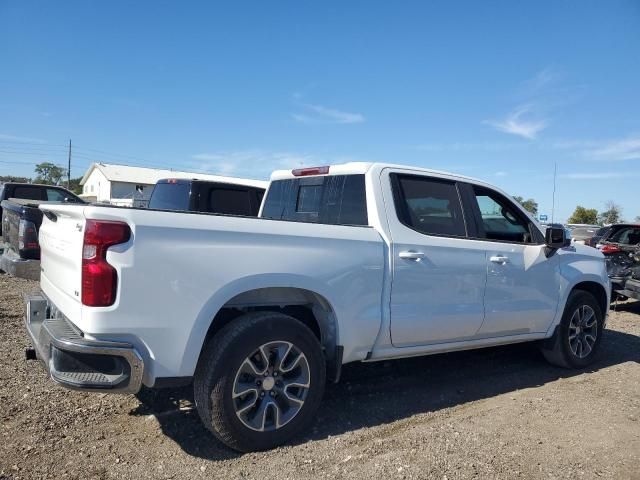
x=222, y=358
x=557, y=349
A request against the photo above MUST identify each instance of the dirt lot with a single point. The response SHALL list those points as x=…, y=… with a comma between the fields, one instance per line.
x=494, y=413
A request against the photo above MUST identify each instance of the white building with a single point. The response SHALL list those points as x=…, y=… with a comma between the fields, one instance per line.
x=132, y=186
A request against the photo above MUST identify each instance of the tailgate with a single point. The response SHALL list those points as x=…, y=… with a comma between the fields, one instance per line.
x=61, y=236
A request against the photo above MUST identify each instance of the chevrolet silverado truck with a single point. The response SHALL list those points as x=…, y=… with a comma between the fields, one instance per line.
x=348, y=263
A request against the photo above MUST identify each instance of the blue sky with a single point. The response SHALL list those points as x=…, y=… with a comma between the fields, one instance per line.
x=495, y=90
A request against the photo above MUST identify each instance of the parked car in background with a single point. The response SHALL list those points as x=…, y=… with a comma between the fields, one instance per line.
x=618, y=234
x=601, y=233
x=241, y=197
x=257, y=312
x=621, y=249
x=583, y=234
x=33, y=191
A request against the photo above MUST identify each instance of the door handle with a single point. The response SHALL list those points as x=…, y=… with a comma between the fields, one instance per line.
x=499, y=259
x=411, y=255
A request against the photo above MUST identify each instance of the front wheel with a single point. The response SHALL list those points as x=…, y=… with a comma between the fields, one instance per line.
x=576, y=341
x=260, y=381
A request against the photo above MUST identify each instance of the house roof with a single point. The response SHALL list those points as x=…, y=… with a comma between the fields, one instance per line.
x=149, y=176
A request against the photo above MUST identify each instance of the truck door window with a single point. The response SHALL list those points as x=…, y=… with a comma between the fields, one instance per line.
x=428, y=205
x=54, y=195
x=230, y=201
x=500, y=219
x=29, y=193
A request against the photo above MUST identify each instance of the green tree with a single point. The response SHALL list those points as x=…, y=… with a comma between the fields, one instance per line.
x=75, y=186
x=612, y=214
x=584, y=215
x=49, y=174
x=530, y=205
x=12, y=178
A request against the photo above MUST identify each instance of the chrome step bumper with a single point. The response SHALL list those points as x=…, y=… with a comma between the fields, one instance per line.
x=75, y=361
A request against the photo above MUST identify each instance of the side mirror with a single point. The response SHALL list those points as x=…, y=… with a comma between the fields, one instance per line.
x=555, y=237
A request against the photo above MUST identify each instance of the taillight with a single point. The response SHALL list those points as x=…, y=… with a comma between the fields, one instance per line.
x=303, y=172
x=27, y=236
x=99, y=279
x=608, y=248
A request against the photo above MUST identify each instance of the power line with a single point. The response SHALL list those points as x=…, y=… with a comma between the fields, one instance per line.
x=31, y=143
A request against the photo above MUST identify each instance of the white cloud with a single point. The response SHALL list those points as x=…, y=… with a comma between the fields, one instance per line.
x=540, y=81
x=501, y=174
x=13, y=138
x=520, y=123
x=320, y=114
x=626, y=149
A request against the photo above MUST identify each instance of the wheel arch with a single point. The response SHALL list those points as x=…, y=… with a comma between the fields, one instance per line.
x=307, y=302
x=597, y=290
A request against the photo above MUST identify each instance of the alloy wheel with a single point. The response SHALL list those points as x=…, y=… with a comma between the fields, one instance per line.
x=271, y=386
x=583, y=331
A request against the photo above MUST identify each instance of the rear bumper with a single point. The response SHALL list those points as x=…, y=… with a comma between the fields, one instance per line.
x=75, y=361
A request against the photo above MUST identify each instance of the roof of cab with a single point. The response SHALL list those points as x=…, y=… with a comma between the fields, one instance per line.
x=355, y=168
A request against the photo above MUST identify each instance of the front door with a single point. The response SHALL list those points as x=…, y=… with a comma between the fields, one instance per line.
x=438, y=275
x=523, y=284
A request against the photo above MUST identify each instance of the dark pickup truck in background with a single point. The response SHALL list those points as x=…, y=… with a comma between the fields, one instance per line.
x=21, y=220
x=21, y=217
x=37, y=192
x=192, y=195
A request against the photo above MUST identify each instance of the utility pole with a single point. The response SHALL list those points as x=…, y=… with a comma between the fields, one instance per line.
x=69, y=168
x=553, y=201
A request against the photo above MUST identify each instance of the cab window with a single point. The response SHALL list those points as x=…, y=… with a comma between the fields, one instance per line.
x=499, y=219
x=428, y=205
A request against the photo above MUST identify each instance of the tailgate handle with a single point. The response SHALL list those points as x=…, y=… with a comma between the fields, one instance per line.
x=50, y=215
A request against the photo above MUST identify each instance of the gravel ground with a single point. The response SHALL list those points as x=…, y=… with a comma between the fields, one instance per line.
x=492, y=413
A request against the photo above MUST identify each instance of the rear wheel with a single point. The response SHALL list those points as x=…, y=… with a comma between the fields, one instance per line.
x=260, y=381
x=576, y=341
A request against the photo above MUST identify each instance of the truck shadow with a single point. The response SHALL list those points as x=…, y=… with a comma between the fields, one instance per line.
x=383, y=392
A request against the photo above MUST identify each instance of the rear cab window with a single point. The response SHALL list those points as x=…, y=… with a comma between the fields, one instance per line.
x=331, y=199
x=171, y=196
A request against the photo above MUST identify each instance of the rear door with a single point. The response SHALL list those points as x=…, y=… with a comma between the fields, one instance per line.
x=439, y=275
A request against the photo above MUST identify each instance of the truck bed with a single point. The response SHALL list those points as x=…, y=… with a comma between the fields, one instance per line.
x=178, y=269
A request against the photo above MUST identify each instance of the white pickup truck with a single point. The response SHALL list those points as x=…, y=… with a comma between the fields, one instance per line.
x=355, y=262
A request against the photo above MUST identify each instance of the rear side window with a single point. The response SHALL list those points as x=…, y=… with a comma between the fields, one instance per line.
x=428, y=205
x=333, y=200
x=230, y=201
x=29, y=193
x=170, y=196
